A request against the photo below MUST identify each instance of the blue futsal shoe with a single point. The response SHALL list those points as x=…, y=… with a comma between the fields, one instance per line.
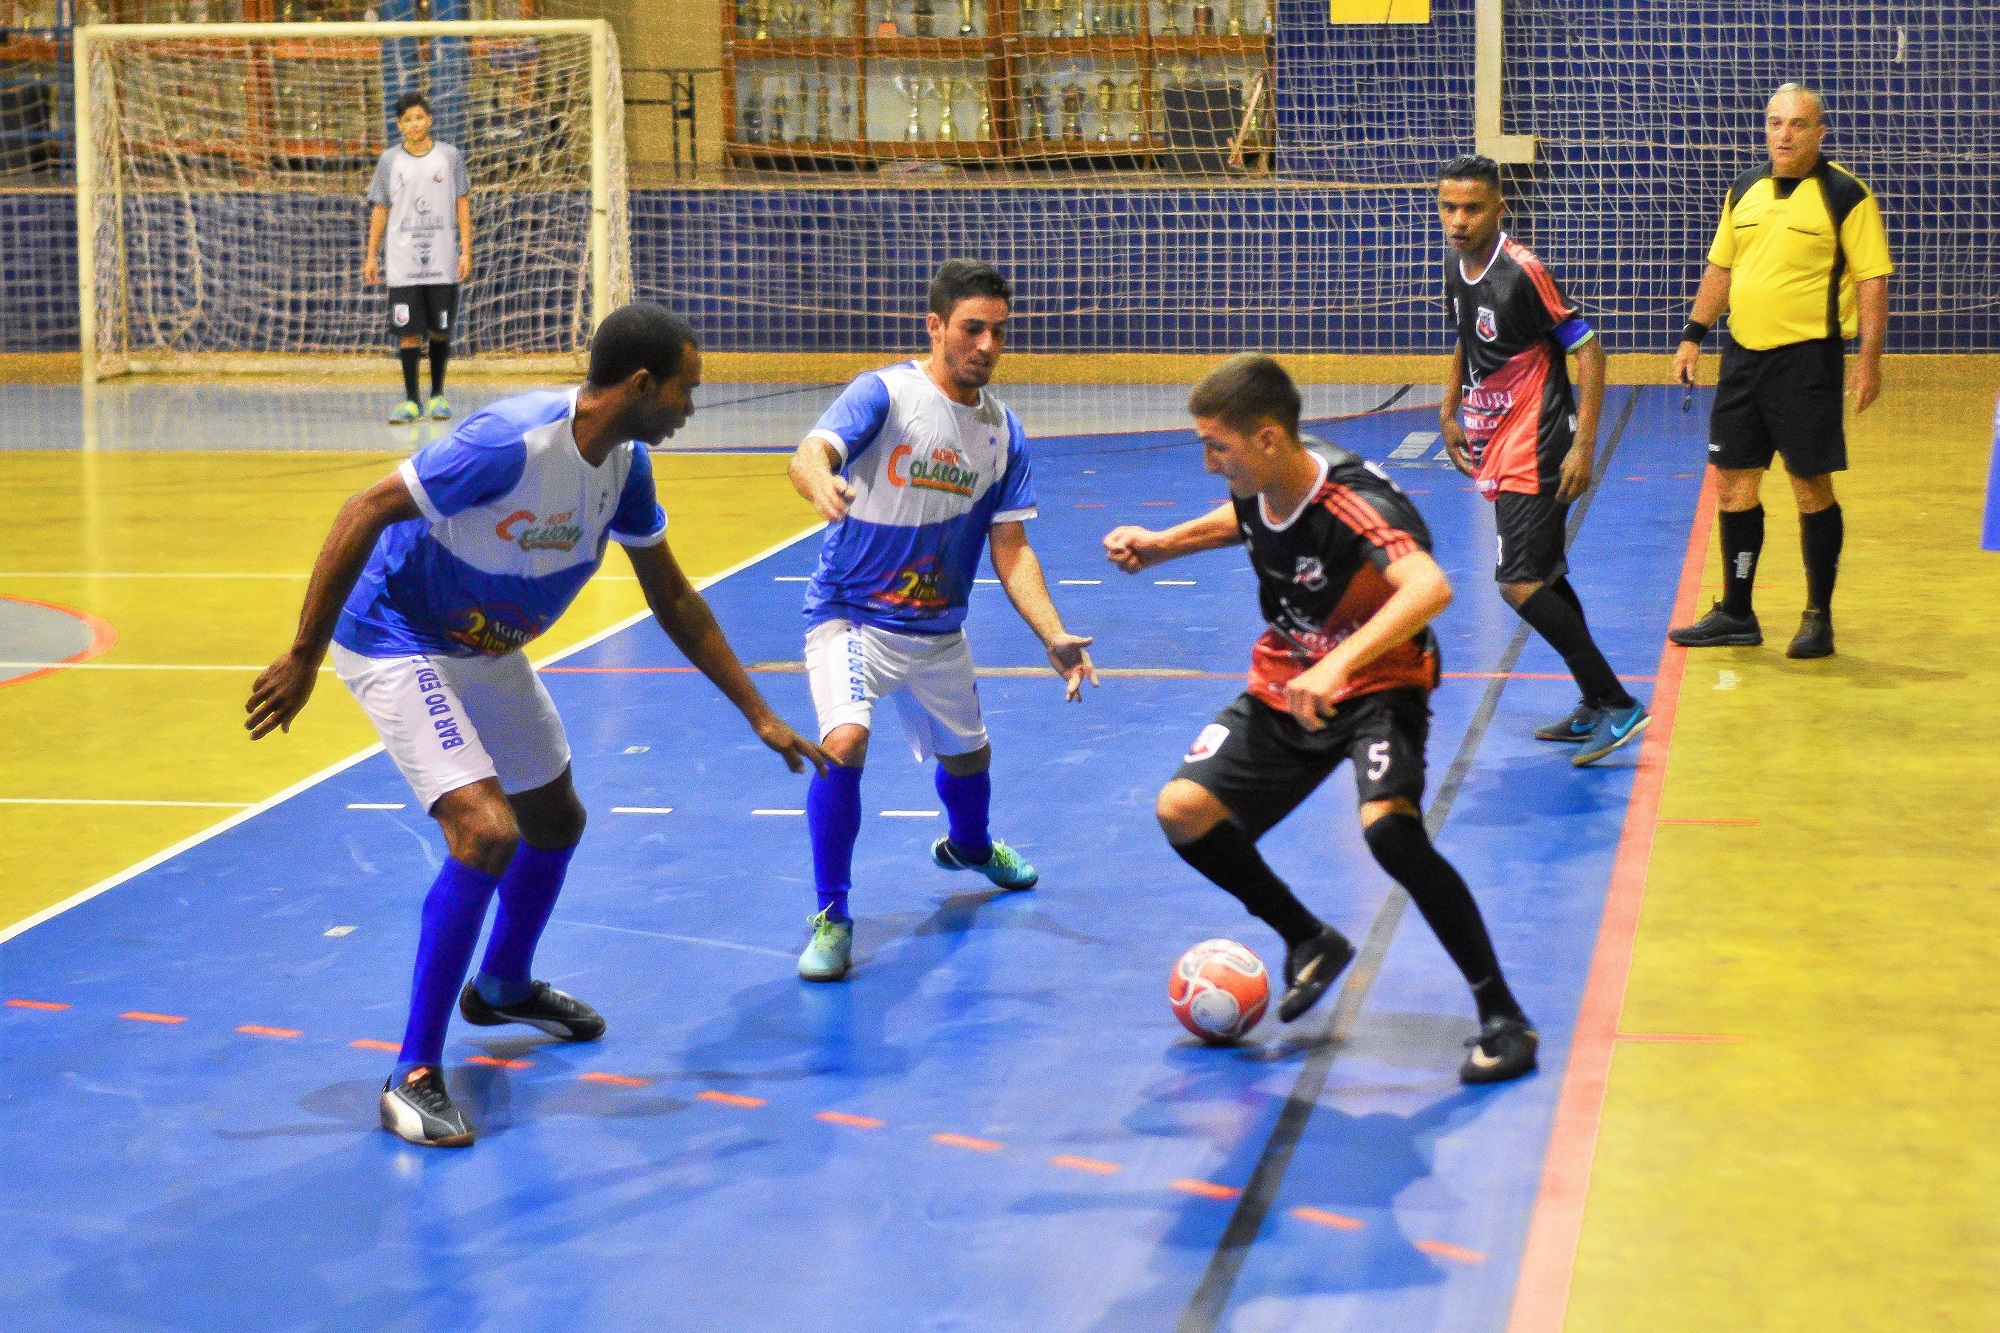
x=1004, y=866
x=1573, y=728
x=1615, y=727
x=827, y=957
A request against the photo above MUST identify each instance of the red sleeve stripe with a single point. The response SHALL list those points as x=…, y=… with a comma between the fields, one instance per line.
x=1367, y=521
x=1544, y=284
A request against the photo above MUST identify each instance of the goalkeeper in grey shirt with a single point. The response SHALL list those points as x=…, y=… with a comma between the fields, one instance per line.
x=423, y=208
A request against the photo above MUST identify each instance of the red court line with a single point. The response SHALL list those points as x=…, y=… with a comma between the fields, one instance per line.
x=141, y=1016
x=1207, y=1189
x=497, y=1062
x=616, y=1080
x=1321, y=1217
x=852, y=1121
x=967, y=1141
x=1548, y=1261
x=1733, y=823
x=729, y=1098
x=1090, y=1164
x=102, y=638
x=252, y=1029
x=370, y=1044
x=1700, y=1038
x=1445, y=1250
x=49, y=1005
x=1530, y=675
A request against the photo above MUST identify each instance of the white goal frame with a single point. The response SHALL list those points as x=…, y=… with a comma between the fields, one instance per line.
x=91, y=36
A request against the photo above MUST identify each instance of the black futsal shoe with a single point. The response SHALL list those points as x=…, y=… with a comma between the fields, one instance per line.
x=1504, y=1049
x=1719, y=629
x=419, y=1110
x=1815, y=636
x=1310, y=968
x=563, y=1017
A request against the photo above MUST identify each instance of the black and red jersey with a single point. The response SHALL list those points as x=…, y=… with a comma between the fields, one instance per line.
x=1515, y=327
x=1319, y=576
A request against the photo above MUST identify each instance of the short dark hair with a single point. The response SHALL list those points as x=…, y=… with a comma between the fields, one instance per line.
x=1246, y=391
x=410, y=99
x=639, y=336
x=961, y=279
x=1471, y=167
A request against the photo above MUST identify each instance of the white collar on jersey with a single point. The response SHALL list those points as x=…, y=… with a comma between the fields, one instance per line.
x=1498, y=244
x=1264, y=512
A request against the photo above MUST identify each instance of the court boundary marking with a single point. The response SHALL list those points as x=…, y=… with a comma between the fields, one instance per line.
x=103, y=638
x=110, y=882
x=1555, y=1227
x=1211, y=1297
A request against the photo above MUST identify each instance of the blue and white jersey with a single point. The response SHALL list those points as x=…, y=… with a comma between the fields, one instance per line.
x=931, y=476
x=515, y=523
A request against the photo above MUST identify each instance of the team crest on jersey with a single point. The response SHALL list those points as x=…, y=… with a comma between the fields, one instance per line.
x=1311, y=574
x=1486, y=324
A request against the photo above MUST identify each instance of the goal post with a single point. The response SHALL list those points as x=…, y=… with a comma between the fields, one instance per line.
x=222, y=178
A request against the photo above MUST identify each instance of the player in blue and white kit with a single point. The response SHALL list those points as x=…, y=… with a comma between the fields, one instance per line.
x=426, y=590
x=915, y=469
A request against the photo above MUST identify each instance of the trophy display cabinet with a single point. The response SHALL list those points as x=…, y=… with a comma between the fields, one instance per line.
x=1179, y=86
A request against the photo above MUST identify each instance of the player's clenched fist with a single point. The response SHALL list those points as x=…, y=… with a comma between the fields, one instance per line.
x=1309, y=696
x=1132, y=548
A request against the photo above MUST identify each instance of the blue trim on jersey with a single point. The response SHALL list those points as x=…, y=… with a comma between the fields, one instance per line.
x=483, y=459
x=639, y=520
x=1573, y=333
x=858, y=415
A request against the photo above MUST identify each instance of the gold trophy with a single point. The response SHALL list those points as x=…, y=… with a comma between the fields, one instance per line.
x=1135, y=111
x=912, y=90
x=1031, y=18
x=1204, y=18
x=1073, y=99
x=823, y=111
x=1235, y=18
x=965, y=18
x=1076, y=24
x=761, y=12
x=784, y=18
x=781, y=109
x=947, y=118
x=1034, y=125
x=1107, y=97
x=985, y=100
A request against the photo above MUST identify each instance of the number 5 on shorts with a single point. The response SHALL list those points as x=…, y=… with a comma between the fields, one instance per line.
x=1378, y=760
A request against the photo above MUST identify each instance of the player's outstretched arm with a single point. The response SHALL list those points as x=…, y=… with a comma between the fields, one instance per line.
x=1133, y=548
x=813, y=477
x=683, y=613
x=1422, y=591
x=1020, y=571
x=282, y=688
x=1579, y=462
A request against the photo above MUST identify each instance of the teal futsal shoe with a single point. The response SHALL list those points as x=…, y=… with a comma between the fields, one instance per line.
x=1004, y=866
x=440, y=408
x=1615, y=727
x=406, y=414
x=826, y=957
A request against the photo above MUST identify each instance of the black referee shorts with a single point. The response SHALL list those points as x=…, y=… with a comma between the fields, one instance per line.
x=1785, y=400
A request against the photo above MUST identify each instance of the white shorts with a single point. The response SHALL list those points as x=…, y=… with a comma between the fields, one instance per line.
x=449, y=722
x=851, y=666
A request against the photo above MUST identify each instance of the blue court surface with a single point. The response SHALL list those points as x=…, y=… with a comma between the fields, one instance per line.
x=996, y=1124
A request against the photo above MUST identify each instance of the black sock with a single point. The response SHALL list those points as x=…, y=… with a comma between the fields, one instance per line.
x=1742, y=542
x=440, y=353
x=1820, y=537
x=1558, y=622
x=1403, y=849
x=1562, y=589
x=412, y=358
x=1227, y=857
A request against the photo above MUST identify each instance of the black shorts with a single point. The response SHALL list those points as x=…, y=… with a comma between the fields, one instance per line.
x=1532, y=529
x=1261, y=763
x=1785, y=400
x=427, y=311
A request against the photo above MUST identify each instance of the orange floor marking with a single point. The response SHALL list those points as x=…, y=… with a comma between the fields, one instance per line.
x=1085, y=1164
x=1321, y=1217
x=1446, y=1251
x=140, y=1016
x=370, y=1044
x=1680, y=1036
x=853, y=1121
x=1207, y=1189
x=1735, y=823
x=616, y=1080
x=966, y=1141
x=497, y=1062
x=36, y=1004
x=253, y=1030
x=728, y=1098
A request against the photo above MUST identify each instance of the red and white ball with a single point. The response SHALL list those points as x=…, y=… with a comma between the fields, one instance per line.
x=1219, y=990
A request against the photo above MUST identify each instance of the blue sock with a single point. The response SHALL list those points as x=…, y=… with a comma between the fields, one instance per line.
x=454, y=910
x=965, y=804
x=527, y=895
x=833, y=814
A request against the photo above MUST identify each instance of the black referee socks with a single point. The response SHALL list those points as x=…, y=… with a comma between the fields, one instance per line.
x=1561, y=623
x=1820, y=538
x=1742, y=542
x=1230, y=860
x=1403, y=849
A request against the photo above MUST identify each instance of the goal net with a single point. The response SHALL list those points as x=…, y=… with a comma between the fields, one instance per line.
x=222, y=188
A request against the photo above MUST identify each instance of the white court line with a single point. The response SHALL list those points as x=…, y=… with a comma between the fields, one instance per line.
x=55, y=800
x=986, y=580
x=791, y=578
x=678, y=939
x=340, y=932
x=777, y=812
x=111, y=882
x=1078, y=583
x=910, y=814
x=642, y=809
x=1173, y=583
x=375, y=805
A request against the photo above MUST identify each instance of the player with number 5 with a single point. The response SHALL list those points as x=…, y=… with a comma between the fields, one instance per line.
x=1348, y=587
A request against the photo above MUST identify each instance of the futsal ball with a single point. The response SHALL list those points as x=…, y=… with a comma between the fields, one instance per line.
x=1218, y=990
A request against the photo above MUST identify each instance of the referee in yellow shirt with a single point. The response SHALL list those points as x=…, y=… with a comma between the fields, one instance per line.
x=1800, y=261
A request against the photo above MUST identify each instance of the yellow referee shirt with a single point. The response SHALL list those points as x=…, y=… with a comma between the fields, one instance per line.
x=1795, y=249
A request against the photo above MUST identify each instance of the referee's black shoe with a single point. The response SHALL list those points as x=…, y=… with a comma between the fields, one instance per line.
x=1310, y=968
x=1719, y=629
x=1504, y=1049
x=1815, y=636
x=562, y=1016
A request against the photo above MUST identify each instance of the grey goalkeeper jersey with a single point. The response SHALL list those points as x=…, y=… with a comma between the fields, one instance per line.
x=421, y=194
